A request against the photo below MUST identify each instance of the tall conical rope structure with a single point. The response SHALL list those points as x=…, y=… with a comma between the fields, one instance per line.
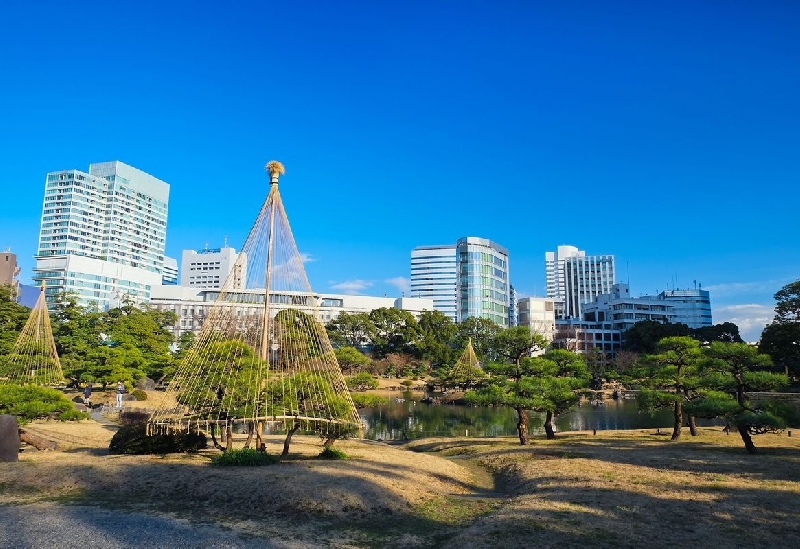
x=262, y=354
x=34, y=359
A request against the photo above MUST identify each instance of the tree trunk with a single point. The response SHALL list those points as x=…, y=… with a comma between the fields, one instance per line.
x=228, y=437
x=36, y=441
x=329, y=442
x=260, y=446
x=748, y=441
x=548, y=425
x=249, y=434
x=522, y=426
x=288, y=440
x=213, y=431
x=693, y=426
x=676, y=427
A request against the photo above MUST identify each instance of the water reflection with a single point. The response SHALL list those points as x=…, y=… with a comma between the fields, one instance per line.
x=406, y=419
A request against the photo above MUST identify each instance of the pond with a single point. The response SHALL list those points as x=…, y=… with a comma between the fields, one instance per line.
x=405, y=418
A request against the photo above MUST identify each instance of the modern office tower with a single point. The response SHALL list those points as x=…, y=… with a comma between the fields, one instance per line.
x=573, y=278
x=513, y=313
x=169, y=276
x=210, y=268
x=482, y=287
x=9, y=269
x=691, y=306
x=102, y=234
x=433, y=276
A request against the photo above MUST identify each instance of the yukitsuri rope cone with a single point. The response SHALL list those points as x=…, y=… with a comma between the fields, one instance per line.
x=467, y=370
x=259, y=360
x=34, y=359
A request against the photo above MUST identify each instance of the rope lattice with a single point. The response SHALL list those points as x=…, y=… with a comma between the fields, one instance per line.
x=259, y=359
x=34, y=359
x=467, y=370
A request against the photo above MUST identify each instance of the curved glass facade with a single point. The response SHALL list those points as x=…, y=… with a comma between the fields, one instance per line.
x=482, y=288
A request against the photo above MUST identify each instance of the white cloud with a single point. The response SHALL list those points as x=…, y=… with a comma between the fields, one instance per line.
x=306, y=258
x=403, y=284
x=352, y=287
x=768, y=287
x=749, y=317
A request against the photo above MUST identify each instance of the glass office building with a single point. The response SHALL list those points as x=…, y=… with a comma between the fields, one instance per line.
x=482, y=288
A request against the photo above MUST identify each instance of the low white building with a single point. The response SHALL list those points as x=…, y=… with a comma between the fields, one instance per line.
x=192, y=305
x=538, y=314
x=210, y=268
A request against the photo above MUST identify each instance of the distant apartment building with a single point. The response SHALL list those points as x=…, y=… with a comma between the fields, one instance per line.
x=585, y=336
x=538, y=314
x=169, y=276
x=102, y=234
x=9, y=271
x=192, y=305
x=572, y=278
x=210, y=268
x=468, y=279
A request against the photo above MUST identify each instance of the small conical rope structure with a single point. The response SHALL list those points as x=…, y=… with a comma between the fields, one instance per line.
x=467, y=370
x=262, y=354
x=34, y=359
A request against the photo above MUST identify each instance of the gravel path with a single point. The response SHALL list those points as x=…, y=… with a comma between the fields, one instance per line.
x=81, y=527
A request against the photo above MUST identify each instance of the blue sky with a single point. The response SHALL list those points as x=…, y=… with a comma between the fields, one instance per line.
x=667, y=135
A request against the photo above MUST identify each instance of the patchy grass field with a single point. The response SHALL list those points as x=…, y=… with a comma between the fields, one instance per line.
x=616, y=489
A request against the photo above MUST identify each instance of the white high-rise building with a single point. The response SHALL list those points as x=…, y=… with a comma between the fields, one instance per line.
x=433, y=276
x=210, y=268
x=102, y=234
x=573, y=278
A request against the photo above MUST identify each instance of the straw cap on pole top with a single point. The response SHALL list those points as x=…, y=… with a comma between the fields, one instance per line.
x=275, y=170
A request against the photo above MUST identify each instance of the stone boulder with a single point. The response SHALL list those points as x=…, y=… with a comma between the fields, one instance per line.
x=9, y=438
x=146, y=384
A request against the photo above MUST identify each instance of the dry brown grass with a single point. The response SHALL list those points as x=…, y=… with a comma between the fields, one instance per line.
x=619, y=488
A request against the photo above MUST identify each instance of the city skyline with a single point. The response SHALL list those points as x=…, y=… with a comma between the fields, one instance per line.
x=665, y=136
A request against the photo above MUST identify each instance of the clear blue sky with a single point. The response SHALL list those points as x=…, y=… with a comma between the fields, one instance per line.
x=667, y=135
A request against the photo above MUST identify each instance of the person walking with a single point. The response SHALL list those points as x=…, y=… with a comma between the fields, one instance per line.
x=87, y=395
x=120, y=392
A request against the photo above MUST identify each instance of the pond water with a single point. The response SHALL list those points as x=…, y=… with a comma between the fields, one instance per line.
x=406, y=418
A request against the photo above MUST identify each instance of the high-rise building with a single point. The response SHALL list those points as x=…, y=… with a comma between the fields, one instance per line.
x=9, y=270
x=102, y=234
x=513, y=313
x=573, y=278
x=433, y=276
x=210, y=268
x=482, y=288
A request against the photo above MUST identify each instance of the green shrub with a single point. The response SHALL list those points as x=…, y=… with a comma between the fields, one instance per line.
x=245, y=457
x=133, y=439
x=362, y=381
x=138, y=394
x=133, y=416
x=332, y=453
x=29, y=402
x=364, y=400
